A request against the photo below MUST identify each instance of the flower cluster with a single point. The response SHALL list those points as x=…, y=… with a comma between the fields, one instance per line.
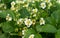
x=8, y=18
x=26, y=15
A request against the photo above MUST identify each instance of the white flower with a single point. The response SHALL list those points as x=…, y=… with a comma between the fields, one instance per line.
x=20, y=2
x=20, y=21
x=23, y=32
x=34, y=15
x=42, y=21
x=46, y=1
x=58, y=1
x=8, y=18
x=31, y=36
x=33, y=21
x=35, y=10
x=1, y=5
x=33, y=1
x=17, y=1
x=49, y=5
x=22, y=36
x=43, y=5
x=26, y=5
x=5, y=7
x=12, y=3
x=13, y=8
x=41, y=0
x=28, y=22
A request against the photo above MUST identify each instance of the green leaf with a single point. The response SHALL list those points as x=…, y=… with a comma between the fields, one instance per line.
x=32, y=31
x=44, y=14
x=2, y=36
x=57, y=6
x=3, y=14
x=1, y=24
x=56, y=16
x=57, y=35
x=54, y=19
x=13, y=33
x=7, y=27
x=24, y=13
x=46, y=28
x=29, y=32
x=7, y=1
x=38, y=36
x=50, y=20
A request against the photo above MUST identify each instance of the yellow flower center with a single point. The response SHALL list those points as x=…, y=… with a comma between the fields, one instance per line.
x=41, y=21
x=46, y=0
x=31, y=37
x=28, y=22
x=42, y=5
x=8, y=17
